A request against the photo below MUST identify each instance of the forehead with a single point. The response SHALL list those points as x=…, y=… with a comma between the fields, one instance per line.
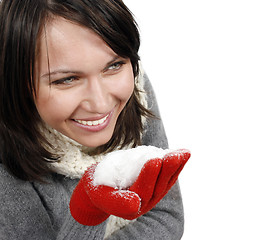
x=66, y=43
x=59, y=33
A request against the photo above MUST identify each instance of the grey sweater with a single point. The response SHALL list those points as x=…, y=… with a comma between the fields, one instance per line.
x=37, y=211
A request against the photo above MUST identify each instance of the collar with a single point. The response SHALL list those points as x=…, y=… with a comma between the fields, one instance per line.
x=75, y=158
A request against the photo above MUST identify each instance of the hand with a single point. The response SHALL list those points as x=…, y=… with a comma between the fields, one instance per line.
x=156, y=179
x=91, y=205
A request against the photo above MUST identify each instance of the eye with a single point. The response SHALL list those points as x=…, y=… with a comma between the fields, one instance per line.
x=65, y=81
x=115, y=66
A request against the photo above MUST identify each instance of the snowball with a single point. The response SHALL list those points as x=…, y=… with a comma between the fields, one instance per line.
x=120, y=169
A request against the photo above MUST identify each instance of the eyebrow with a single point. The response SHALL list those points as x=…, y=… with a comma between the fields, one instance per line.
x=61, y=71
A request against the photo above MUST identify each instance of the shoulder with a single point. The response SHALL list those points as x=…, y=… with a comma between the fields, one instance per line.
x=146, y=92
x=154, y=132
x=17, y=197
x=22, y=212
x=6, y=177
x=12, y=189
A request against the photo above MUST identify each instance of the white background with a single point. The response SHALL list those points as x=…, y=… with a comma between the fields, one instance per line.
x=214, y=67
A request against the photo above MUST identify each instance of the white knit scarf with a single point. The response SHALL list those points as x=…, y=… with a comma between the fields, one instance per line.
x=75, y=158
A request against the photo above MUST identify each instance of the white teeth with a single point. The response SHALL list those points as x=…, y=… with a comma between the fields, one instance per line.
x=92, y=123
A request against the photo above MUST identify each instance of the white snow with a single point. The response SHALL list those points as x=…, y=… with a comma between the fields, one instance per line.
x=120, y=169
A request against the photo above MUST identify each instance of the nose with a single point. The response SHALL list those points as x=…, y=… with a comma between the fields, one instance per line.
x=96, y=97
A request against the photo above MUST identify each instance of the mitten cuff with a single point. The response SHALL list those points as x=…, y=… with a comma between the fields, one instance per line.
x=82, y=210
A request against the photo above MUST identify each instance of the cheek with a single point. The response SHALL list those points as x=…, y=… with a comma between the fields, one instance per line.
x=48, y=110
x=53, y=107
x=125, y=86
x=126, y=90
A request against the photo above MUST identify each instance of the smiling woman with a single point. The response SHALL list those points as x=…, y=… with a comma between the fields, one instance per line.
x=72, y=91
x=86, y=88
x=48, y=54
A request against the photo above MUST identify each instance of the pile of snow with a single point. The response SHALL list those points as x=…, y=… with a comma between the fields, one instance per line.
x=120, y=169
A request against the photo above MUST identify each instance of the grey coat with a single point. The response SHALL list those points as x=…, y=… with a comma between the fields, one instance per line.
x=36, y=211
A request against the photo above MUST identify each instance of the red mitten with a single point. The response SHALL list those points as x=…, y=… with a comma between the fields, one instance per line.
x=82, y=209
x=92, y=204
x=152, y=185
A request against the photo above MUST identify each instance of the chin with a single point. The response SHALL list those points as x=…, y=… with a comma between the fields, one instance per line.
x=96, y=142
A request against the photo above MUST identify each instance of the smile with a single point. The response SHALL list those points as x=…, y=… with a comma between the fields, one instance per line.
x=92, y=123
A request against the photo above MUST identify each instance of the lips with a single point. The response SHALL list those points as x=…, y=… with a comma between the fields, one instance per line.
x=92, y=123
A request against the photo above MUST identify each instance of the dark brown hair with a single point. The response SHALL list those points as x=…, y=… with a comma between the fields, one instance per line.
x=21, y=23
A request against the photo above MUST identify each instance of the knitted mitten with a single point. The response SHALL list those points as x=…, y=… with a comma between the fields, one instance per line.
x=92, y=204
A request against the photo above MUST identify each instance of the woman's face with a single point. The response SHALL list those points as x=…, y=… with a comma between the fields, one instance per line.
x=83, y=85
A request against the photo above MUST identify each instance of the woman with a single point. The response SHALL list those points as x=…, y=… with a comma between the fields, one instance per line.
x=72, y=90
